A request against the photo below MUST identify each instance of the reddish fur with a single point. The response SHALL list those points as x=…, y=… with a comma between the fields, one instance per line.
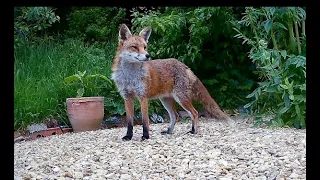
x=201, y=94
x=158, y=83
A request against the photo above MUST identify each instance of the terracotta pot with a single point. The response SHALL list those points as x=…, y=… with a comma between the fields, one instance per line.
x=86, y=113
x=16, y=134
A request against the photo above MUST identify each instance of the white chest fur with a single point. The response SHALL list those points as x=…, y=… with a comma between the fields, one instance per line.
x=129, y=79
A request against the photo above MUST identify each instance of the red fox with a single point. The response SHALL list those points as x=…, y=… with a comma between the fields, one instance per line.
x=136, y=76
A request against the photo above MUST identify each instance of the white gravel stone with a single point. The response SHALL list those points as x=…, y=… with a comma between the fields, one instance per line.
x=217, y=152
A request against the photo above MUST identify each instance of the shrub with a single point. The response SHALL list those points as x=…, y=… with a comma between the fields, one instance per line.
x=95, y=23
x=32, y=21
x=279, y=55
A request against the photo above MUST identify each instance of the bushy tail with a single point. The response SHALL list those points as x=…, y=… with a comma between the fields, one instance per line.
x=201, y=95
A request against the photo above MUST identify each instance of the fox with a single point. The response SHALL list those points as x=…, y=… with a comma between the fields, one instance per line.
x=169, y=80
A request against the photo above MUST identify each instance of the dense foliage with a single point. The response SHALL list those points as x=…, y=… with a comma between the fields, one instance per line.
x=278, y=48
x=94, y=23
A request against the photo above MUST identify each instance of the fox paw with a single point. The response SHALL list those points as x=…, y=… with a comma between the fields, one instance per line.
x=144, y=138
x=193, y=131
x=126, y=138
x=164, y=132
x=169, y=131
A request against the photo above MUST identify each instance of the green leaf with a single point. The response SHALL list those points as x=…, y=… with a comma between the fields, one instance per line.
x=223, y=88
x=264, y=83
x=82, y=73
x=297, y=110
x=100, y=76
x=302, y=12
x=284, y=86
x=283, y=110
x=277, y=80
x=286, y=100
x=80, y=92
x=284, y=53
x=272, y=10
x=248, y=105
x=252, y=94
x=267, y=25
x=280, y=25
x=303, y=87
x=267, y=67
x=291, y=97
x=275, y=123
x=71, y=78
x=271, y=89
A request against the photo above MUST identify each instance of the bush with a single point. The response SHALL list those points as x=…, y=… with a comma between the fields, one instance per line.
x=279, y=55
x=95, y=23
x=32, y=21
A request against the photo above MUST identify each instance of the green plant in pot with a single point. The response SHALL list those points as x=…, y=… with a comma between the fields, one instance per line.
x=85, y=113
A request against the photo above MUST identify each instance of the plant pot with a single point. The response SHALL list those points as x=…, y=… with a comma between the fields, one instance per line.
x=86, y=113
x=16, y=134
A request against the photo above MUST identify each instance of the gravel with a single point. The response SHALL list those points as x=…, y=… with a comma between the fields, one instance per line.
x=217, y=152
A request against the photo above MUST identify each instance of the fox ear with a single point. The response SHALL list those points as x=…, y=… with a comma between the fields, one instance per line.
x=124, y=32
x=145, y=33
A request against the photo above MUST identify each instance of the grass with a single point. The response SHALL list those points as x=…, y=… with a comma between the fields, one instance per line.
x=39, y=70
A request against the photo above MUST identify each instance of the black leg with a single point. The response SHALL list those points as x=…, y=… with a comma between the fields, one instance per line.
x=192, y=130
x=129, y=134
x=145, y=131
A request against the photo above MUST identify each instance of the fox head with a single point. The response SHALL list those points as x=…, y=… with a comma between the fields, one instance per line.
x=134, y=47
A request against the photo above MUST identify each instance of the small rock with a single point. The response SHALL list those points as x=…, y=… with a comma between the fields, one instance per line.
x=78, y=175
x=244, y=176
x=39, y=177
x=56, y=169
x=273, y=174
x=261, y=178
x=181, y=175
x=27, y=177
x=211, y=177
x=114, y=163
x=68, y=174
x=294, y=175
x=125, y=176
x=297, y=162
x=225, y=178
x=111, y=175
x=32, y=174
x=223, y=162
x=262, y=168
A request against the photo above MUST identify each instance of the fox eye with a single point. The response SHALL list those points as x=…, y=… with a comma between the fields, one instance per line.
x=134, y=47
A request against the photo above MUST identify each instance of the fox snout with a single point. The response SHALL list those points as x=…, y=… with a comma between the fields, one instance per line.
x=143, y=57
x=134, y=56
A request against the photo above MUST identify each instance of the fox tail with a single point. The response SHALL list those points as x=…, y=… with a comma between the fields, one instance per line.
x=201, y=94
